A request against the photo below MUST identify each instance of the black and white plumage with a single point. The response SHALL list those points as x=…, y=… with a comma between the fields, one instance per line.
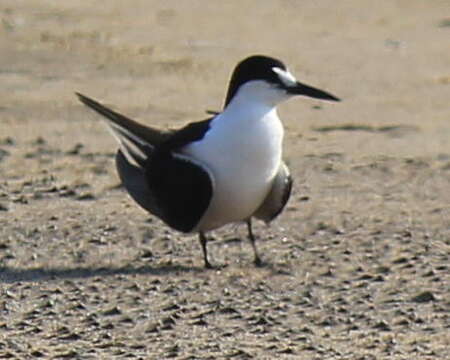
x=221, y=170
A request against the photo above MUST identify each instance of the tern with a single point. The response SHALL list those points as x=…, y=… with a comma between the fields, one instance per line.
x=225, y=169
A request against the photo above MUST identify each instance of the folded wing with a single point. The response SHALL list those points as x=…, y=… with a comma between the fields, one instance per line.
x=169, y=185
x=278, y=196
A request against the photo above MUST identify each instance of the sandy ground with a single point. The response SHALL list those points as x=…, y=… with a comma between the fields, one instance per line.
x=358, y=264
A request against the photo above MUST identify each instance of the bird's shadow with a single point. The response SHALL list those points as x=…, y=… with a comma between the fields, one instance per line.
x=42, y=274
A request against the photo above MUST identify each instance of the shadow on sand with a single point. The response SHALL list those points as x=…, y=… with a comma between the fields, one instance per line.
x=13, y=275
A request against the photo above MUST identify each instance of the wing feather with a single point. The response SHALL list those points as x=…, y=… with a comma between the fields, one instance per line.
x=169, y=185
x=278, y=196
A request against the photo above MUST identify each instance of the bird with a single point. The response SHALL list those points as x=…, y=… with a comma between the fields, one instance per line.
x=225, y=169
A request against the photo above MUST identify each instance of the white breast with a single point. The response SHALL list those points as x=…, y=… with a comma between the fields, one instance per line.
x=242, y=150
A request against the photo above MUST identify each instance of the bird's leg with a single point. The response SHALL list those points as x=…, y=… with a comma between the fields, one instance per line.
x=257, y=260
x=203, y=241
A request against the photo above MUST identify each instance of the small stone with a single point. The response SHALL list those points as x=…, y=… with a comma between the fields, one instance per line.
x=424, y=297
x=382, y=325
x=39, y=141
x=113, y=311
x=7, y=141
x=85, y=196
x=3, y=153
x=75, y=150
x=70, y=337
x=147, y=254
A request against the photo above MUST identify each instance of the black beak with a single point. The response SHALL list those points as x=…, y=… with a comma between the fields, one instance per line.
x=305, y=90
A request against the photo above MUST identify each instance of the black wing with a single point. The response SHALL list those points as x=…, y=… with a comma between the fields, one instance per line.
x=134, y=179
x=169, y=185
x=182, y=190
x=183, y=187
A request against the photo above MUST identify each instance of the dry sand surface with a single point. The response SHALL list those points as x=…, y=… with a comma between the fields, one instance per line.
x=357, y=267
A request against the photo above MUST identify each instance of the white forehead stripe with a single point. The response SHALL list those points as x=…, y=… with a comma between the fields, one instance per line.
x=285, y=76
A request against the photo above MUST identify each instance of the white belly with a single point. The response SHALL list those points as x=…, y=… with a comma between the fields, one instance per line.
x=244, y=159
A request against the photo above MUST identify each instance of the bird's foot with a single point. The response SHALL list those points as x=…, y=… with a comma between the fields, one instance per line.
x=258, y=262
x=208, y=266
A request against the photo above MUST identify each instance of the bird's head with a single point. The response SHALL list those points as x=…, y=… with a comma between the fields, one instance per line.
x=267, y=80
